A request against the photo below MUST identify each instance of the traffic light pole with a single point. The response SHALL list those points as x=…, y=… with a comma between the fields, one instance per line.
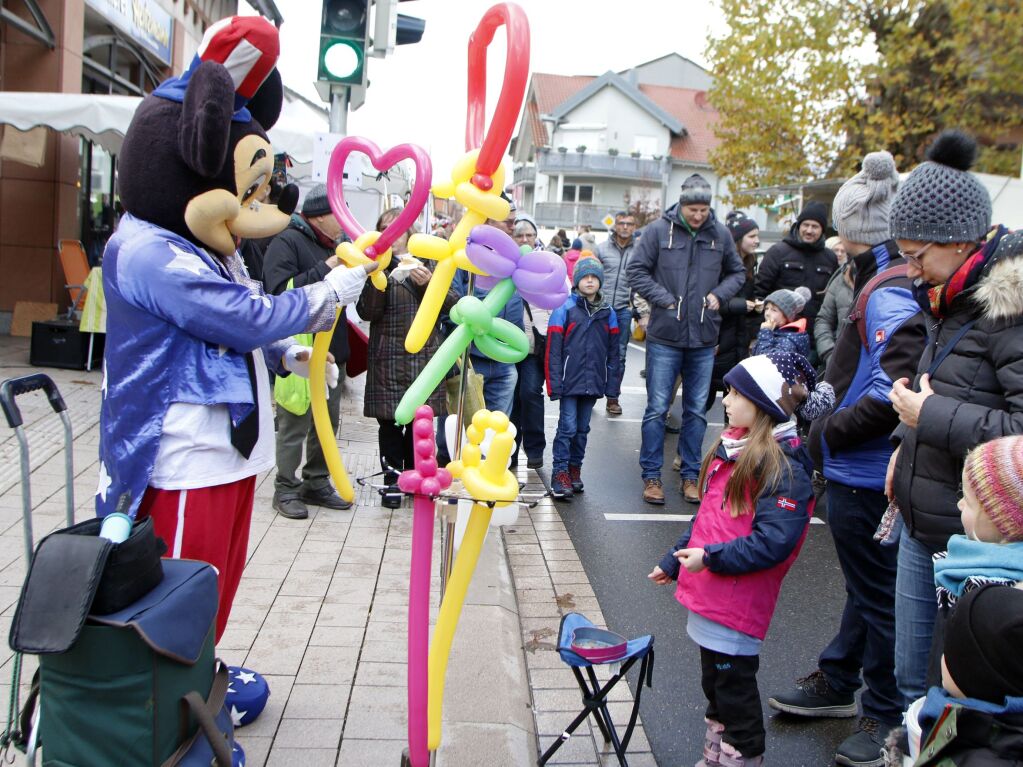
x=339, y=96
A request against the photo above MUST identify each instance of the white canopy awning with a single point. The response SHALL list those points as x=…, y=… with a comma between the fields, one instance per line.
x=105, y=119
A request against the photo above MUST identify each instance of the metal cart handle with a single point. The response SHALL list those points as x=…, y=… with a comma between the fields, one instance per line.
x=13, y=388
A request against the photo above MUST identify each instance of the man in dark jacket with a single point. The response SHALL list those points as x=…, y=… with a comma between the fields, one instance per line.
x=614, y=254
x=851, y=447
x=684, y=266
x=301, y=255
x=800, y=259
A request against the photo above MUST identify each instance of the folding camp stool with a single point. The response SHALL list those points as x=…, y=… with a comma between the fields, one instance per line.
x=595, y=695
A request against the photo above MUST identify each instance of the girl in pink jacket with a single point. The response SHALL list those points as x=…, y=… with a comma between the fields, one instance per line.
x=755, y=508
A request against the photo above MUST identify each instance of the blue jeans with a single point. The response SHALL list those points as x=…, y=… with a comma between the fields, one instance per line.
x=624, y=332
x=866, y=637
x=663, y=365
x=498, y=383
x=915, y=609
x=531, y=405
x=573, y=427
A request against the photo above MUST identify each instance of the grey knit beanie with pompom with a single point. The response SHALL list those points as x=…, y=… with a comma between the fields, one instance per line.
x=941, y=201
x=862, y=204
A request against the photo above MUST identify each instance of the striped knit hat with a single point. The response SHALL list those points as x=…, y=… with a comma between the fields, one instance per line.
x=994, y=471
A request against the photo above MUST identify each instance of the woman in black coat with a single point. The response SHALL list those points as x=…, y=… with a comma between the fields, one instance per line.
x=969, y=386
x=739, y=317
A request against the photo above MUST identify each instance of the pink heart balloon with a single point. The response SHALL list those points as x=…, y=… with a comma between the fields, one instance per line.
x=381, y=161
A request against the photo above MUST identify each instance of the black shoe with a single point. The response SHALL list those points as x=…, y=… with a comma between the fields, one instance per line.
x=325, y=496
x=290, y=507
x=561, y=486
x=534, y=462
x=814, y=697
x=863, y=748
x=391, y=495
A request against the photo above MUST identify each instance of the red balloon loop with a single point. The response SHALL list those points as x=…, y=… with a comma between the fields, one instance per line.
x=495, y=142
x=484, y=183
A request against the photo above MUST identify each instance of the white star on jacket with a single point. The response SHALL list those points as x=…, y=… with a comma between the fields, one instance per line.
x=189, y=262
x=104, y=481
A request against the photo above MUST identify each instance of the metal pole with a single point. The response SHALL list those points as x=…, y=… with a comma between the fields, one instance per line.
x=339, y=97
x=448, y=533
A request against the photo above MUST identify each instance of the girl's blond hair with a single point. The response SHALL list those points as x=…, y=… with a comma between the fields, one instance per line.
x=760, y=467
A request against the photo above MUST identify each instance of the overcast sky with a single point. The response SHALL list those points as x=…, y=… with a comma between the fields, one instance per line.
x=418, y=94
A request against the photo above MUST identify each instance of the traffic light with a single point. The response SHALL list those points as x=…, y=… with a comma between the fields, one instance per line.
x=393, y=28
x=410, y=29
x=343, y=38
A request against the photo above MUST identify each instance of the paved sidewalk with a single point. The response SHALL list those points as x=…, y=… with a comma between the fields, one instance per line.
x=321, y=609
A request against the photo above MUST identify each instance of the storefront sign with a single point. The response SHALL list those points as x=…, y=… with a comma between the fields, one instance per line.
x=144, y=20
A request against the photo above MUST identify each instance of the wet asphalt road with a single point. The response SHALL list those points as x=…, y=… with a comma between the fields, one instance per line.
x=617, y=556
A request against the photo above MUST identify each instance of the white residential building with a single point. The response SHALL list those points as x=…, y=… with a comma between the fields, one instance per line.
x=587, y=146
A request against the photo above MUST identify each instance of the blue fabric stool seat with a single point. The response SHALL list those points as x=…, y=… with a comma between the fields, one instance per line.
x=594, y=694
x=247, y=694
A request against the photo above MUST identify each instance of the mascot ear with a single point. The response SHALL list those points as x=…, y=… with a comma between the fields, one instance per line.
x=265, y=106
x=206, y=119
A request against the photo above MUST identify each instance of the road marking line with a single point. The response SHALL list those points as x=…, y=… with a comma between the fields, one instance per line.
x=669, y=518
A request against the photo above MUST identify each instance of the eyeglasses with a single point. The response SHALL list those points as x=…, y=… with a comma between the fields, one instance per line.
x=625, y=223
x=916, y=257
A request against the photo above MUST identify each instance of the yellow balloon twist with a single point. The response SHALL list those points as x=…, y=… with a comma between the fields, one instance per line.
x=450, y=254
x=486, y=480
x=350, y=254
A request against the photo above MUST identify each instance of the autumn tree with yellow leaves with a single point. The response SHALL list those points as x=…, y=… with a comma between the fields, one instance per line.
x=805, y=88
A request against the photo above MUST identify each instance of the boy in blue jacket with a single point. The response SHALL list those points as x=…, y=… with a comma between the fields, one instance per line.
x=583, y=364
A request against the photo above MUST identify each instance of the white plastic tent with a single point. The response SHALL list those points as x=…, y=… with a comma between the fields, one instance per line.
x=105, y=119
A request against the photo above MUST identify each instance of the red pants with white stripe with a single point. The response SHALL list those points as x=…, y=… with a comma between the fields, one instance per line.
x=210, y=524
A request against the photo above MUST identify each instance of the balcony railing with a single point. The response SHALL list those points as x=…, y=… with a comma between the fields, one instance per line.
x=606, y=165
x=570, y=214
x=524, y=174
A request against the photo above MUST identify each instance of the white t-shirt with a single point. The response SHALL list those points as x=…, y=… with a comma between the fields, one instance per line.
x=195, y=447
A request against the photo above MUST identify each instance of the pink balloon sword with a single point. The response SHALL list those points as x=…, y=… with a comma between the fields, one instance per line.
x=425, y=483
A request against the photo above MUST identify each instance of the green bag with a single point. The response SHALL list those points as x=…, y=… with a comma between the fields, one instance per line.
x=474, y=401
x=116, y=696
x=292, y=392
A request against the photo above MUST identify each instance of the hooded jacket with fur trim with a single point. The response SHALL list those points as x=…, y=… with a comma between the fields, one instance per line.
x=978, y=396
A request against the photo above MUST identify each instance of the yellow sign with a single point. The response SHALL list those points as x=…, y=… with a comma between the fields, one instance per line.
x=608, y=220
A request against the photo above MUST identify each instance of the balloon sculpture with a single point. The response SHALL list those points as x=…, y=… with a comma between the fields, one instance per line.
x=539, y=276
x=367, y=246
x=490, y=484
x=424, y=483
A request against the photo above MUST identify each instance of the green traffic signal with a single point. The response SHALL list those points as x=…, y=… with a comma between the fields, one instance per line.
x=341, y=60
x=343, y=41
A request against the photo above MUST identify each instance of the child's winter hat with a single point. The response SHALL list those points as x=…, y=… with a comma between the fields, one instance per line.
x=994, y=471
x=982, y=643
x=781, y=384
x=791, y=302
x=587, y=266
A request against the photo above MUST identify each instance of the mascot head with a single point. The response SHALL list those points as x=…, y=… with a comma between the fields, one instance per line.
x=196, y=159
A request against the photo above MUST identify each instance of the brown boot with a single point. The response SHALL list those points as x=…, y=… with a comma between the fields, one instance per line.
x=690, y=491
x=653, y=491
x=613, y=408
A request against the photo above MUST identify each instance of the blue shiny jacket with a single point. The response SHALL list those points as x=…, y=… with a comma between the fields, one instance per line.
x=179, y=323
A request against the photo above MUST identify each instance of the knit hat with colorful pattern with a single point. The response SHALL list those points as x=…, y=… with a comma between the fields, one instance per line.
x=995, y=473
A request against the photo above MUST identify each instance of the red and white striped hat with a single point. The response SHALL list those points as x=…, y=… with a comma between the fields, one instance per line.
x=248, y=46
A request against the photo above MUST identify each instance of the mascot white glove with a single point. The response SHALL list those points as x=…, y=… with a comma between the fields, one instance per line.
x=347, y=283
x=296, y=359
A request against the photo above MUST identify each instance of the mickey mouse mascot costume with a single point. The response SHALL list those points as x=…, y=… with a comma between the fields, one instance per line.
x=186, y=420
